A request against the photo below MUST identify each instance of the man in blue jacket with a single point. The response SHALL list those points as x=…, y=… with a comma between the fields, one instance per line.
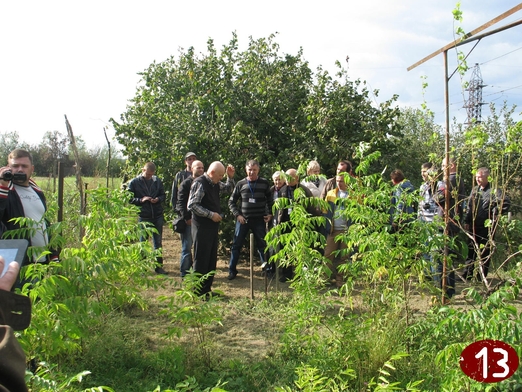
x=149, y=195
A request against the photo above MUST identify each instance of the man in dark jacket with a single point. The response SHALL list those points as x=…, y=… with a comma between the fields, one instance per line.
x=343, y=166
x=186, y=236
x=15, y=315
x=183, y=212
x=148, y=195
x=181, y=176
x=485, y=203
x=21, y=197
x=205, y=205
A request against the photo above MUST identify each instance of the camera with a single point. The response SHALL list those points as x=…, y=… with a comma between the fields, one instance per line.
x=16, y=177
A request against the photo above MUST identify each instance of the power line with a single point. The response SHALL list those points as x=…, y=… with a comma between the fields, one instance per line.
x=505, y=54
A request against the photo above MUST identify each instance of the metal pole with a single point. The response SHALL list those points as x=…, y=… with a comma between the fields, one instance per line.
x=251, y=266
x=60, y=191
x=446, y=180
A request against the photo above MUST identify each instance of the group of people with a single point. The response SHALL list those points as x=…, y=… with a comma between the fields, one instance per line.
x=477, y=214
x=196, y=199
x=196, y=194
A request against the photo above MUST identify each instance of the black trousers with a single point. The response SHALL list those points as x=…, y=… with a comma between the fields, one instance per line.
x=205, y=240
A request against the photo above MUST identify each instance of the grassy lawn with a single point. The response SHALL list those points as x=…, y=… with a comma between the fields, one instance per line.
x=49, y=184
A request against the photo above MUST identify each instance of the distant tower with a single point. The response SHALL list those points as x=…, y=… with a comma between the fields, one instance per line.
x=474, y=103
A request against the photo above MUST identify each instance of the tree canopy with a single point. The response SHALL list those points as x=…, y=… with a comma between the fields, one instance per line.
x=234, y=105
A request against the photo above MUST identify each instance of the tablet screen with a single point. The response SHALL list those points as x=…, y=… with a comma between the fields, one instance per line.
x=8, y=255
x=13, y=250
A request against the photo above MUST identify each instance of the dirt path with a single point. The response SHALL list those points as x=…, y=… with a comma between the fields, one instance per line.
x=240, y=287
x=237, y=288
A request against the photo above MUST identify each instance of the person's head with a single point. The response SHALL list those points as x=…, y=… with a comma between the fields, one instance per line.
x=189, y=158
x=452, y=165
x=216, y=171
x=426, y=170
x=341, y=184
x=482, y=176
x=292, y=178
x=148, y=170
x=397, y=176
x=197, y=169
x=21, y=161
x=278, y=181
x=313, y=168
x=344, y=166
x=252, y=169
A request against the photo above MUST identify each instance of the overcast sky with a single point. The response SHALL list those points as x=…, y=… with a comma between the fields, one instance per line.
x=82, y=59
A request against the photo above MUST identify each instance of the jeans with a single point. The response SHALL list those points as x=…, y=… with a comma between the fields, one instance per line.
x=258, y=227
x=436, y=269
x=186, y=251
x=156, y=237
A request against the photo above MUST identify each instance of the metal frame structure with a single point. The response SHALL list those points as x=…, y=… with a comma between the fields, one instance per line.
x=470, y=37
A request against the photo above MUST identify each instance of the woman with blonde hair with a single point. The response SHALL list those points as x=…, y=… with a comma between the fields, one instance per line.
x=314, y=181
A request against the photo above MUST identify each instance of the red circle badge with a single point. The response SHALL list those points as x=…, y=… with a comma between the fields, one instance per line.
x=489, y=361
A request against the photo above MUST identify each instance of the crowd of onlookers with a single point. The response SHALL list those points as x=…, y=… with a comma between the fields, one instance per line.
x=195, y=197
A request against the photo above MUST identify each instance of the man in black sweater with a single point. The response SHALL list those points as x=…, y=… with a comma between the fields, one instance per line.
x=251, y=203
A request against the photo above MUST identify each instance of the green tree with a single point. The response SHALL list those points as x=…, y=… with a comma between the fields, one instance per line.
x=340, y=115
x=52, y=148
x=236, y=105
x=422, y=140
x=8, y=142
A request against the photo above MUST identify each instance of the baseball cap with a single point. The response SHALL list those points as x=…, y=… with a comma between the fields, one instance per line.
x=190, y=154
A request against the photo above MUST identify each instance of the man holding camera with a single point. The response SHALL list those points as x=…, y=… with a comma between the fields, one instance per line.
x=21, y=197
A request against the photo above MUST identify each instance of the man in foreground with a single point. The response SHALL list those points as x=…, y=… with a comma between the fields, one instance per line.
x=15, y=314
x=21, y=197
x=205, y=205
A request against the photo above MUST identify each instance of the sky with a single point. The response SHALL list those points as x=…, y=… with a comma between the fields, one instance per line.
x=82, y=59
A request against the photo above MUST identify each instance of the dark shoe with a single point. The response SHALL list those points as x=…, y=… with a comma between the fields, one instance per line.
x=160, y=271
x=232, y=275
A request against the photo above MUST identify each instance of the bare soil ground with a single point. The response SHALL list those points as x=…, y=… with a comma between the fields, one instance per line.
x=243, y=334
x=241, y=286
x=237, y=288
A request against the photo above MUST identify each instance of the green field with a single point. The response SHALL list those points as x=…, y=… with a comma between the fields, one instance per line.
x=49, y=184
